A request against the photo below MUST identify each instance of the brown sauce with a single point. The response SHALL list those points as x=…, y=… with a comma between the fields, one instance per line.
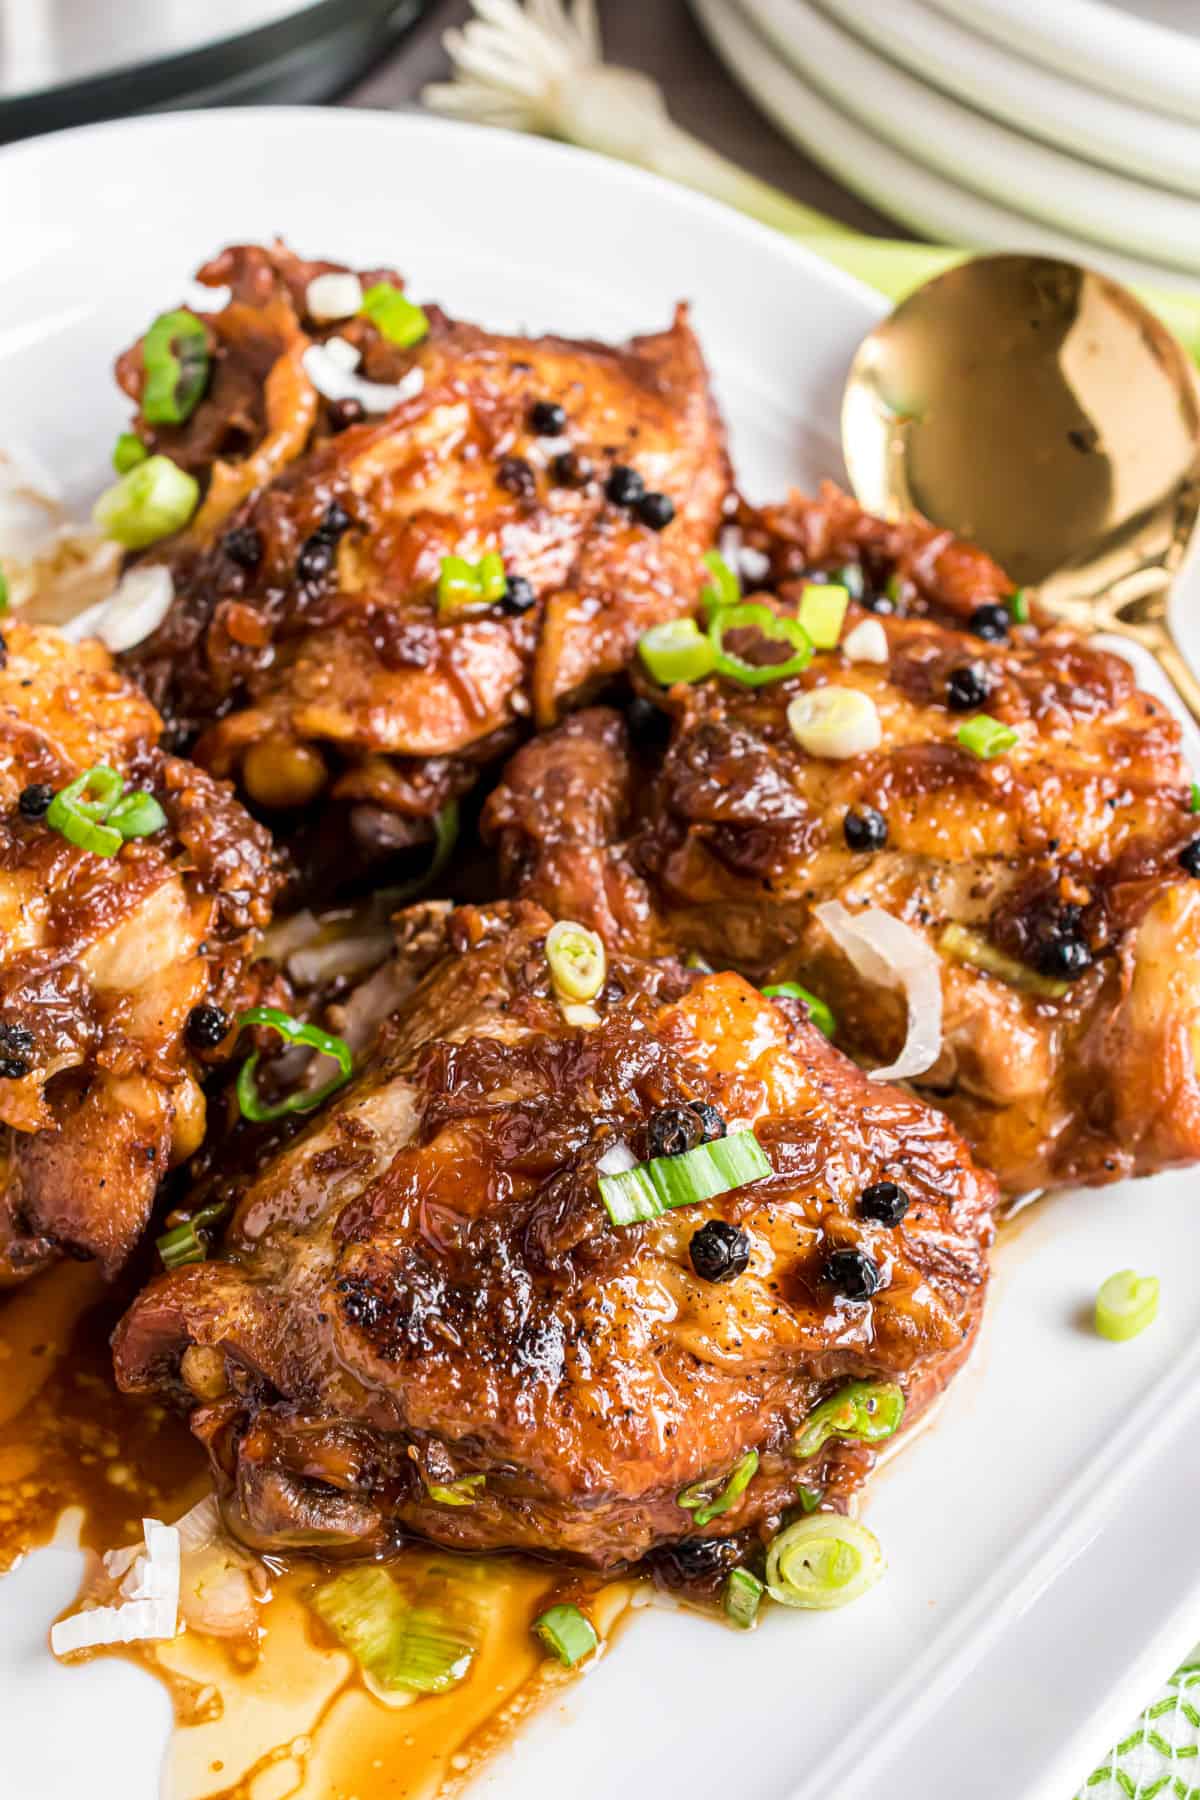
x=285, y=1715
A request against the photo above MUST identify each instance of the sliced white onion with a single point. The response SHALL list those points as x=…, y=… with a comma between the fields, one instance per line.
x=149, y=1608
x=200, y=298
x=336, y=382
x=885, y=950
x=141, y=601
x=220, y=1581
x=753, y=564
x=835, y=722
x=31, y=509
x=580, y=1016
x=616, y=1159
x=867, y=643
x=341, y=351
x=333, y=296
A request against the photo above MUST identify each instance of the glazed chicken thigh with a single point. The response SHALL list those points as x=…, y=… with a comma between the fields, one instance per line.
x=308, y=651
x=1026, y=811
x=424, y=1319
x=103, y=957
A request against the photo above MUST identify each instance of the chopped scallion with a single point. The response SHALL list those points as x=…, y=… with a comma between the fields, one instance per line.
x=705, y=1505
x=741, y=1597
x=1125, y=1305
x=151, y=501
x=175, y=354
x=867, y=1410
x=823, y=1562
x=397, y=318
x=725, y=589
x=188, y=1242
x=577, y=958
x=774, y=628
x=676, y=651
x=655, y=1187
x=95, y=813
x=970, y=947
x=6, y=604
x=820, y=1014
x=463, y=584
x=456, y=1493
x=421, y=1636
x=823, y=613
x=1194, y=799
x=138, y=815
x=128, y=452
x=293, y=1031
x=986, y=737
x=1018, y=606
x=445, y=836
x=567, y=1633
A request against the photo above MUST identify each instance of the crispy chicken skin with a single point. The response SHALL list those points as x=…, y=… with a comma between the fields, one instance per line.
x=722, y=842
x=424, y=1285
x=305, y=650
x=103, y=958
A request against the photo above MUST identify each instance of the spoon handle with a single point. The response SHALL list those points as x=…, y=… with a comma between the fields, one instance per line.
x=1142, y=617
x=1160, y=642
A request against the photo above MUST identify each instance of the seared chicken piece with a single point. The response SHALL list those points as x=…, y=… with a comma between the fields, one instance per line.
x=1056, y=880
x=424, y=1320
x=103, y=957
x=305, y=648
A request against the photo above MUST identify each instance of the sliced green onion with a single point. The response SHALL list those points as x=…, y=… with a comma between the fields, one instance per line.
x=188, y=1242
x=456, y=1493
x=867, y=1410
x=422, y=1640
x=293, y=1031
x=741, y=1597
x=820, y=1014
x=1018, y=606
x=809, y=1498
x=986, y=737
x=970, y=947
x=654, y=1187
x=128, y=452
x=700, y=1500
x=445, y=836
x=396, y=317
x=823, y=1562
x=577, y=958
x=751, y=615
x=6, y=604
x=175, y=352
x=138, y=815
x=726, y=589
x=676, y=651
x=1125, y=1305
x=1194, y=801
x=823, y=613
x=464, y=584
x=567, y=1633
x=79, y=810
x=151, y=501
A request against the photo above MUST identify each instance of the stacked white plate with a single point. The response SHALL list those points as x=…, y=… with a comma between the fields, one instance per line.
x=1068, y=125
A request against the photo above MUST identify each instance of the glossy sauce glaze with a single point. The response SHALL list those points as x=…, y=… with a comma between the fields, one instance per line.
x=283, y=1713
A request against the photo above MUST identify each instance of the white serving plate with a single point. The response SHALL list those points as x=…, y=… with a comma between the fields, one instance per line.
x=936, y=206
x=1122, y=52
x=964, y=146
x=1041, y=102
x=1045, y=1569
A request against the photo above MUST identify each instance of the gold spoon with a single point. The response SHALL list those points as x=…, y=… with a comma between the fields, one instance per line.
x=1040, y=410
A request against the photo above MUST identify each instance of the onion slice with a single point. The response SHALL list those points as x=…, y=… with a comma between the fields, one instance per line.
x=326, y=369
x=149, y=1607
x=133, y=612
x=885, y=950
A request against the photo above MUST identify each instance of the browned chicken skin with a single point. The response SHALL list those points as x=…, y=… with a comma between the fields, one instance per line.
x=103, y=958
x=424, y=1285
x=305, y=645
x=723, y=842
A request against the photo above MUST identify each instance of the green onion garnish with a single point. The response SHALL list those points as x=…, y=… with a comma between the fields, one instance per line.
x=809, y=1498
x=823, y=613
x=726, y=590
x=175, y=352
x=6, y=604
x=823, y=1562
x=1194, y=800
x=676, y=651
x=740, y=1598
x=445, y=836
x=465, y=584
x=396, y=317
x=1018, y=606
x=456, y=1493
x=700, y=1500
x=577, y=958
x=867, y=1410
x=293, y=1031
x=422, y=1640
x=149, y=502
x=1125, y=1305
x=986, y=737
x=95, y=813
x=128, y=452
x=188, y=1243
x=820, y=1014
x=777, y=630
x=970, y=947
x=655, y=1187
x=567, y=1633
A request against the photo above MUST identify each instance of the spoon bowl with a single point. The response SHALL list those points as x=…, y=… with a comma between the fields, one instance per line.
x=1040, y=410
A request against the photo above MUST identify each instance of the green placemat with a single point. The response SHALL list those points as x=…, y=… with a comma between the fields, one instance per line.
x=1160, y=1754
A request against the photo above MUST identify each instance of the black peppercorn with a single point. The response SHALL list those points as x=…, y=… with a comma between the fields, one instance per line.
x=335, y=521
x=711, y=1122
x=656, y=511
x=1189, y=857
x=315, y=559
x=884, y=1201
x=966, y=688
x=624, y=486
x=990, y=622
x=34, y=802
x=852, y=1273
x=672, y=1130
x=344, y=413
x=647, y=724
x=13, y=1068
x=572, y=470
x=516, y=476
x=1064, y=958
x=548, y=418
x=243, y=546
x=16, y=1040
x=206, y=1026
x=865, y=830
x=518, y=595
x=719, y=1251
